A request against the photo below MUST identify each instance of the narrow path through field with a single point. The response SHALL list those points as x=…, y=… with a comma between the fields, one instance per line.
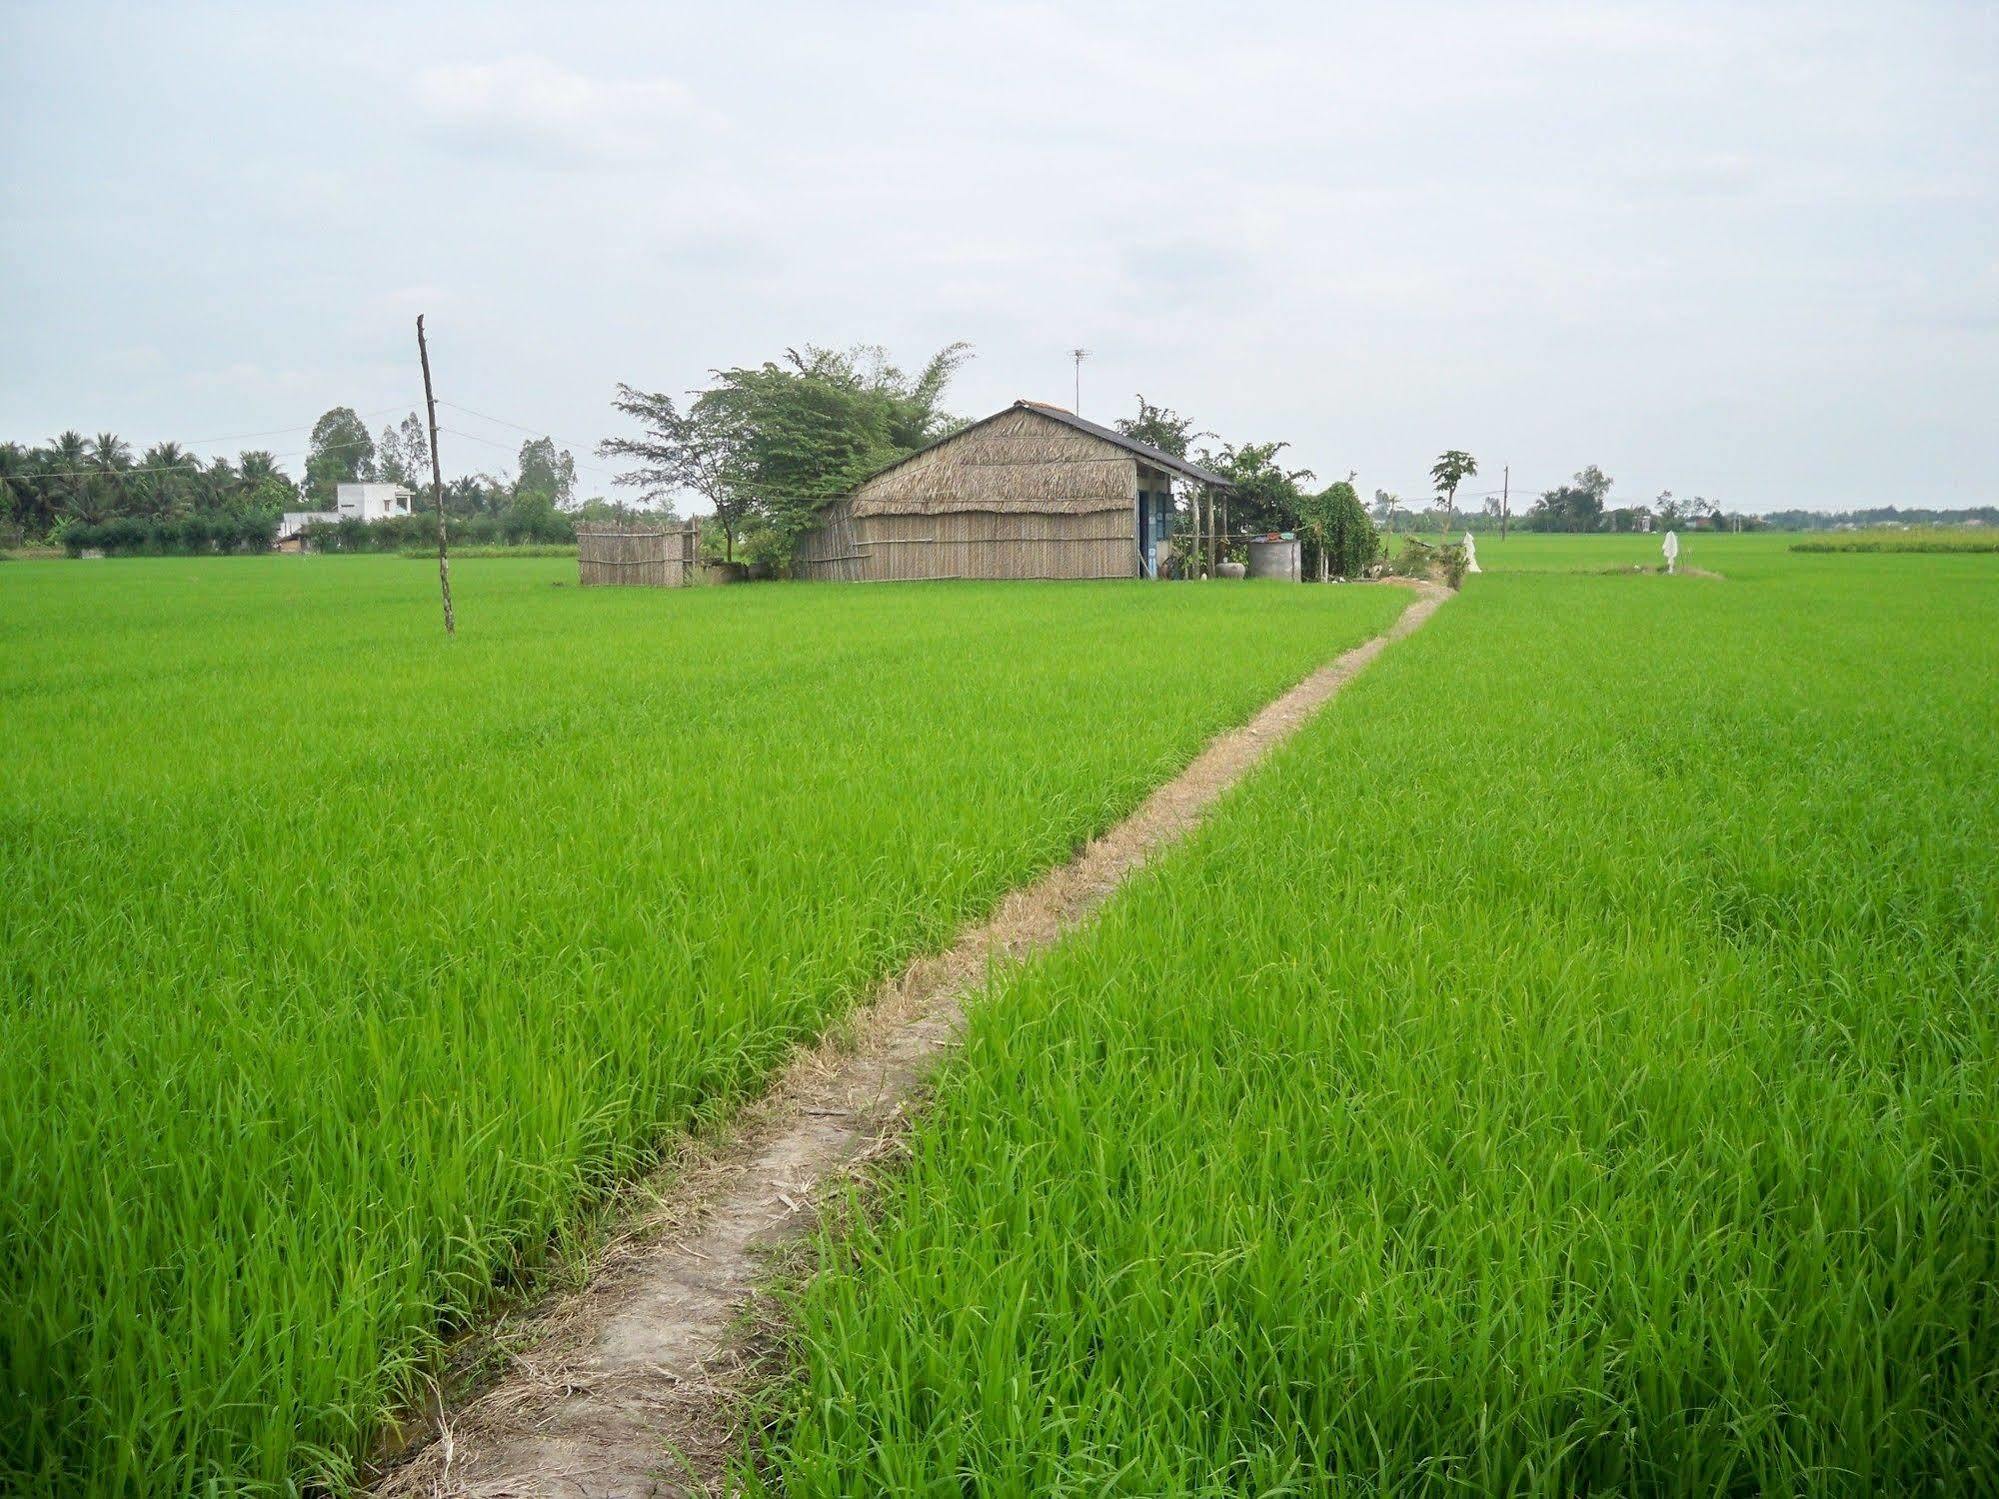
x=622, y=1387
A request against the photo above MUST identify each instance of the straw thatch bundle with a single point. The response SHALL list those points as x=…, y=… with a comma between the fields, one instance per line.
x=1019, y=462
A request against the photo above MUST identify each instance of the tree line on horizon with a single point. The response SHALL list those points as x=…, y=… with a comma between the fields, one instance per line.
x=97, y=491
x=764, y=447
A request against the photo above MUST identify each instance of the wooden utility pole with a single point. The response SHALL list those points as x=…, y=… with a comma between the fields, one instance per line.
x=436, y=481
x=1505, y=499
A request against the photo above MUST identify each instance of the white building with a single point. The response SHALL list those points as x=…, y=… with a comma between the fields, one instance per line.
x=371, y=502
x=363, y=502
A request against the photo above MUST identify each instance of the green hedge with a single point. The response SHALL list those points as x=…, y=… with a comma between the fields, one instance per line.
x=523, y=525
x=185, y=536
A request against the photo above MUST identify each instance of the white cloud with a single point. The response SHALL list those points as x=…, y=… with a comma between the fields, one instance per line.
x=529, y=107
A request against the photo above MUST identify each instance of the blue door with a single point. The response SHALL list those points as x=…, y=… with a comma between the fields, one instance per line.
x=1155, y=522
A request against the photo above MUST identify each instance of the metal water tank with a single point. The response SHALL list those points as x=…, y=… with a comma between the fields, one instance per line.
x=1275, y=557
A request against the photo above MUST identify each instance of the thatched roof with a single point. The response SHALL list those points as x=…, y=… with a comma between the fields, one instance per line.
x=1027, y=459
x=1157, y=457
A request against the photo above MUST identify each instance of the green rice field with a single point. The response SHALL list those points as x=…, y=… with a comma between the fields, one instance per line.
x=1906, y=539
x=343, y=967
x=1571, y=1066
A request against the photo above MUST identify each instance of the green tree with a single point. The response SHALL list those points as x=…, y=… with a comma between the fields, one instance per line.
x=402, y=454
x=110, y=461
x=476, y=494
x=167, y=482
x=1344, y=541
x=64, y=475
x=1575, y=506
x=1451, y=469
x=795, y=434
x=767, y=445
x=1160, y=427
x=263, y=487
x=21, y=508
x=110, y=453
x=1266, y=495
x=676, y=454
x=546, y=472
x=340, y=452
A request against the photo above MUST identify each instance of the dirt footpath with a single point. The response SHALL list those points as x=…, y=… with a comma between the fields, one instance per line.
x=622, y=1388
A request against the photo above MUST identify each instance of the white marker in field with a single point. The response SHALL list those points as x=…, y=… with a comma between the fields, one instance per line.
x=1671, y=547
x=1471, y=555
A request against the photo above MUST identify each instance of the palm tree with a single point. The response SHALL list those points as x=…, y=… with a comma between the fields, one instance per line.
x=220, y=485
x=256, y=465
x=1452, y=469
x=110, y=453
x=168, y=473
x=20, y=505
x=66, y=471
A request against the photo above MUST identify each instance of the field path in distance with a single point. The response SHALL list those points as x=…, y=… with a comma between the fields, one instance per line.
x=622, y=1388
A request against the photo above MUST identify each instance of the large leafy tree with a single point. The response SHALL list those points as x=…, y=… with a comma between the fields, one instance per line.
x=340, y=452
x=545, y=472
x=1266, y=495
x=1451, y=469
x=402, y=453
x=767, y=445
x=1344, y=541
x=676, y=454
x=796, y=433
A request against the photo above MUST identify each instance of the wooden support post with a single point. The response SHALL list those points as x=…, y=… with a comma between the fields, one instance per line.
x=436, y=481
x=1214, y=555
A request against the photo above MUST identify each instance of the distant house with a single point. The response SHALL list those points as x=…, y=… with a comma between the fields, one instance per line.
x=1033, y=491
x=365, y=502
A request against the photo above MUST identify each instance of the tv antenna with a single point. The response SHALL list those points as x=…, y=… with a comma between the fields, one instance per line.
x=1079, y=355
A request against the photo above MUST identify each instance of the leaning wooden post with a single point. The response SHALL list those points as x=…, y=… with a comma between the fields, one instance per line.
x=436, y=481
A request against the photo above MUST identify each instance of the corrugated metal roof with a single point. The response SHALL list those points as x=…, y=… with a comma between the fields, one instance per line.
x=1157, y=457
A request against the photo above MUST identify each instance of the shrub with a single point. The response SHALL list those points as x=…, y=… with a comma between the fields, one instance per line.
x=1436, y=564
x=1349, y=538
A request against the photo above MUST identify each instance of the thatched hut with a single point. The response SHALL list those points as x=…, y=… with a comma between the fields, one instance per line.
x=1030, y=492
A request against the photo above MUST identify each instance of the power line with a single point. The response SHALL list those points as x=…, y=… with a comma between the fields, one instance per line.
x=508, y=447
x=569, y=444
x=198, y=442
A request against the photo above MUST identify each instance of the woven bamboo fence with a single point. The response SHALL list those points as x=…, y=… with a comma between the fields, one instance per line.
x=967, y=544
x=637, y=556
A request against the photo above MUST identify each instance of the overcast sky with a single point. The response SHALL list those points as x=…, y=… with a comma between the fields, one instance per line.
x=1746, y=251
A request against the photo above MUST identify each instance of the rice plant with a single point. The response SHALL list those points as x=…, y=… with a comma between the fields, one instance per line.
x=1571, y=1066
x=343, y=966
x=1905, y=539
